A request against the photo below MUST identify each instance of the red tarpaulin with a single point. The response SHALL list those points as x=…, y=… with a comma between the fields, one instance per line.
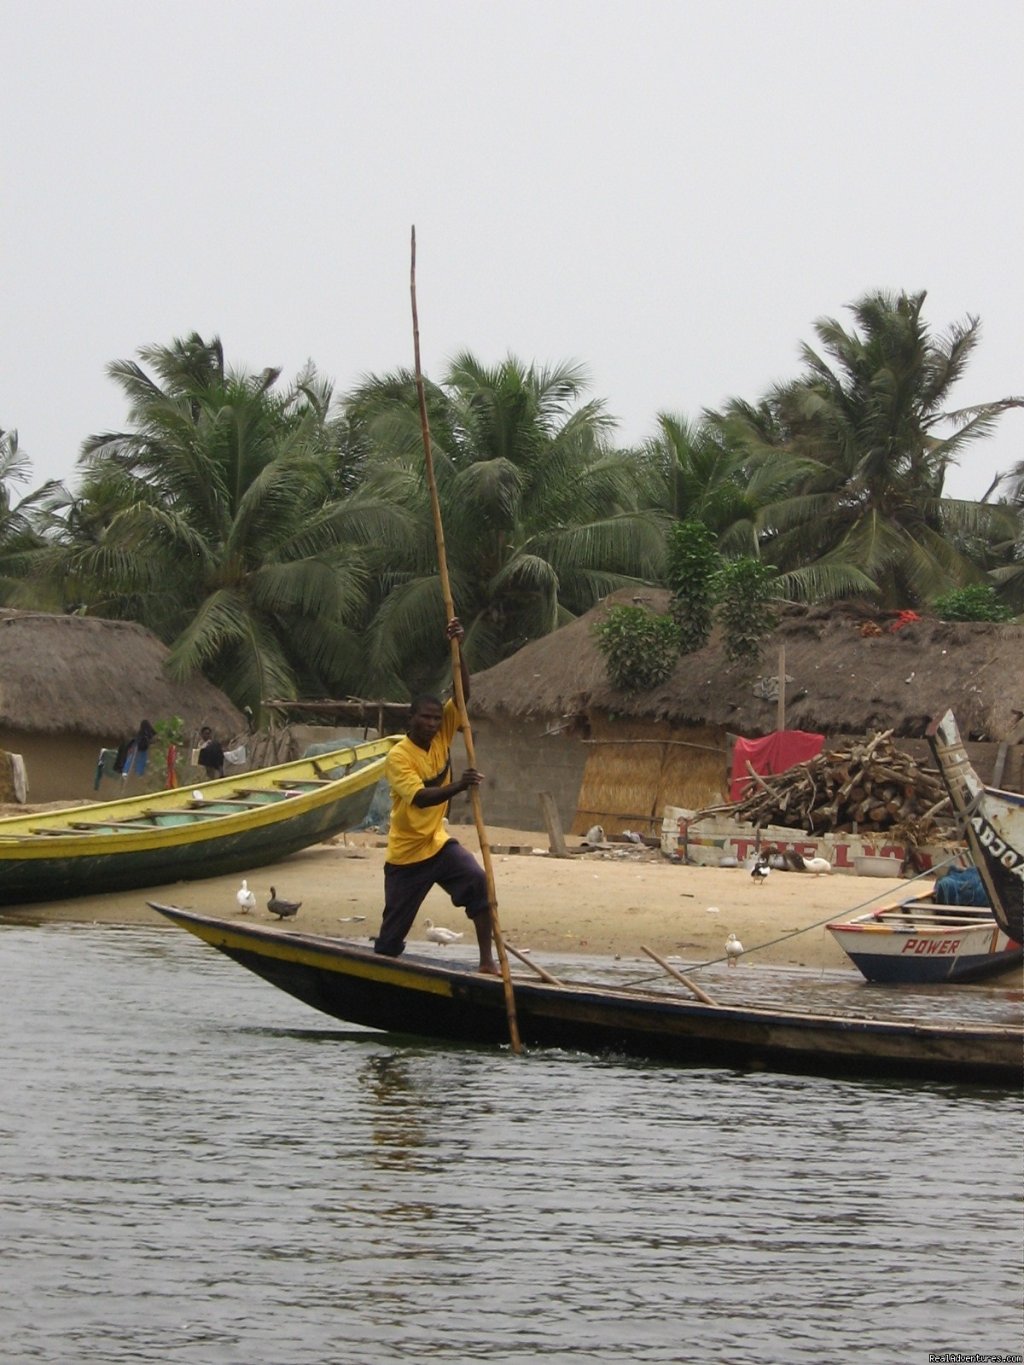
x=773, y=754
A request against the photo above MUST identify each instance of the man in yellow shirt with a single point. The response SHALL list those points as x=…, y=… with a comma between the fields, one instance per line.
x=421, y=854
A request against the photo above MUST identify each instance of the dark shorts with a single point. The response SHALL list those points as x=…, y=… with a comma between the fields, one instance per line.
x=454, y=870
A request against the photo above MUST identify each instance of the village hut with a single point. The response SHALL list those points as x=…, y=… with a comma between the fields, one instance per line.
x=71, y=686
x=548, y=719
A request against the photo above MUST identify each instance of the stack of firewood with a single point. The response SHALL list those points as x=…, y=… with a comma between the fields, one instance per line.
x=870, y=787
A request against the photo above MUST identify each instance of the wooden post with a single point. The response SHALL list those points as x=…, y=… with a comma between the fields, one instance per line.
x=780, y=713
x=556, y=839
x=460, y=700
x=1000, y=764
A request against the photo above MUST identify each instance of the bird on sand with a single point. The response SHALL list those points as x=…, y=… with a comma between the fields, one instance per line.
x=817, y=865
x=245, y=898
x=437, y=933
x=733, y=949
x=281, y=908
x=761, y=869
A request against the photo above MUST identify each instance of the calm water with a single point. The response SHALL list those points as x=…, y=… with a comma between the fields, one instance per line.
x=198, y=1169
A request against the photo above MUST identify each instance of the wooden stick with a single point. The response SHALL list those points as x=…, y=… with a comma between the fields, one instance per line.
x=556, y=838
x=545, y=976
x=690, y=985
x=460, y=700
x=780, y=709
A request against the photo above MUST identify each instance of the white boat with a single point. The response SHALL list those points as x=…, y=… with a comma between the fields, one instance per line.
x=921, y=940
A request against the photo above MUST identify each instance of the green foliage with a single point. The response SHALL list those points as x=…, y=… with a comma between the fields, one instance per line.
x=976, y=602
x=745, y=588
x=692, y=564
x=215, y=520
x=640, y=648
x=541, y=517
x=870, y=421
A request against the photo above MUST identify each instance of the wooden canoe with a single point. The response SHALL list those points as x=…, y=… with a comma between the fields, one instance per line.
x=418, y=996
x=230, y=825
x=993, y=825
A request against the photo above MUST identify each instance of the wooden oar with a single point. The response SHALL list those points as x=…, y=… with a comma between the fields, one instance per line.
x=685, y=980
x=534, y=966
x=460, y=700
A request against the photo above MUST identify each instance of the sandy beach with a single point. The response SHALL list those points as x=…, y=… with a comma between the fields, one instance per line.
x=601, y=902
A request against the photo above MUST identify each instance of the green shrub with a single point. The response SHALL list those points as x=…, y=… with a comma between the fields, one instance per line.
x=693, y=562
x=745, y=589
x=640, y=649
x=978, y=602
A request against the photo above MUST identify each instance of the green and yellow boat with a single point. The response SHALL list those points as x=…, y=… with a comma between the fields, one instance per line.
x=230, y=825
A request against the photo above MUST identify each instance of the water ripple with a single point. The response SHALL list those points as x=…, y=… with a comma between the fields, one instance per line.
x=195, y=1171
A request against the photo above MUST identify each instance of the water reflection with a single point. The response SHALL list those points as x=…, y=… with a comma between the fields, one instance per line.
x=398, y=1108
x=197, y=1171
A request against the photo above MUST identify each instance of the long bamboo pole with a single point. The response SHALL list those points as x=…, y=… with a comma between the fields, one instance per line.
x=460, y=699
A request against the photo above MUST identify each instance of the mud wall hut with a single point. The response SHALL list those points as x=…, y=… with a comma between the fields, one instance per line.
x=72, y=685
x=548, y=718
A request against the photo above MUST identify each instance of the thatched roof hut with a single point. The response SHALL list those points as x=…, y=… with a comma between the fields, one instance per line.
x=70, y=684
x=847, y=674
x=839, y=680
x=81, y=675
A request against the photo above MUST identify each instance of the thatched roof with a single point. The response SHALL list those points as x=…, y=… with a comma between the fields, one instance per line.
x=842, y=681
x=79, y=675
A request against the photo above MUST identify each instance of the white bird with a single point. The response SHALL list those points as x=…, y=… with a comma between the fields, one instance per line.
x=245, y=898
x=733, y=948
x=437, y=933
x=595, y=835
x=817, y=865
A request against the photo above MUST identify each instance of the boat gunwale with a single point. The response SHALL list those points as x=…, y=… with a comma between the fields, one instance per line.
x=73, y=843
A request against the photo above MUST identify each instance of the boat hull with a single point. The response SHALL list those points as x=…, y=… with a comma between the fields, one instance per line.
x=351, y=983
x=923, y=942
x=44, y=858
x=912, y=957
x=993, y=824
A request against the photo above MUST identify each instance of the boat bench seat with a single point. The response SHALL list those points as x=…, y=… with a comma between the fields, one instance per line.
x=226, y=801
x=100, y=824
x=304, y=782
x=181, y=810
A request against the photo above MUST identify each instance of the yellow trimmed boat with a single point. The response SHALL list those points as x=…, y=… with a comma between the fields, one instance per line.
x=422, y=997
x=229, y=825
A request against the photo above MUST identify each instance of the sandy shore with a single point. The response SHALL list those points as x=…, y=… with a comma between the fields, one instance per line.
x=607, y=902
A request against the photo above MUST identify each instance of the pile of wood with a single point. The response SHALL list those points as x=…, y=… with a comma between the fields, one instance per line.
x=870, y=787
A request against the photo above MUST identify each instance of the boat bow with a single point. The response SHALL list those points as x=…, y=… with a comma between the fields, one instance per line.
x=993, y=825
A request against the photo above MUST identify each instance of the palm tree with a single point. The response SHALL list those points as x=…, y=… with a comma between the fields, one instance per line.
x=20, y=538
x=867, y=417
x=215, y=521
x=1009, y=572
x=541, y=515
x=706, y=471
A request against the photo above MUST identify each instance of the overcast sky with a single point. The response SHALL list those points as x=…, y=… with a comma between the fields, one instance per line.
x=667, y=191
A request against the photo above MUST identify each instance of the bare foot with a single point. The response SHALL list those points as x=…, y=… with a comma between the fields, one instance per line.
x=489, y=969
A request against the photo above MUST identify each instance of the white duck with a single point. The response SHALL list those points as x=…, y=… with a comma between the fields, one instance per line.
x=245, y=898
x=437, y=933
x=733, y=949
x=817, y=865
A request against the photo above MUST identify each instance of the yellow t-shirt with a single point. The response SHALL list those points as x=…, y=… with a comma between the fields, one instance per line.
x=418, y=832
